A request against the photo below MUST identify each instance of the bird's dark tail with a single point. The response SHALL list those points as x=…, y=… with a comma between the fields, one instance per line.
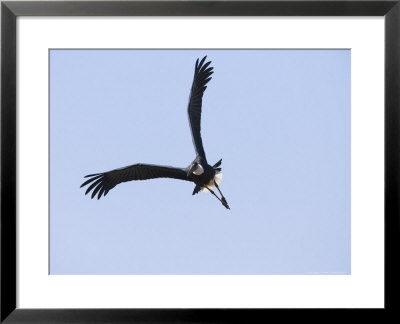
x=216, y=165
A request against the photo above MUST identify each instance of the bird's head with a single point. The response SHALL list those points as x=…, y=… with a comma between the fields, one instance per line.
x=196, y=169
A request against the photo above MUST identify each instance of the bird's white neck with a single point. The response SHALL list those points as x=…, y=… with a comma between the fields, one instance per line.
x=199, y=170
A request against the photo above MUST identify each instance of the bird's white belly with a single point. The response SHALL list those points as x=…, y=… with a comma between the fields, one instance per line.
x=217, y=179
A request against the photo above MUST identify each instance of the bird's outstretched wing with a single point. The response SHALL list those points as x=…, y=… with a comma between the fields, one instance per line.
x=202, y=74
x=101, y=183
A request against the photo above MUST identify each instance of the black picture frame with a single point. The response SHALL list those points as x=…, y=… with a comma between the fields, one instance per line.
x=10, y=10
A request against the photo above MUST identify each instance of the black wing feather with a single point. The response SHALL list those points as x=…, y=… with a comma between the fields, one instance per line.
x=101, y=183
x=202, y=75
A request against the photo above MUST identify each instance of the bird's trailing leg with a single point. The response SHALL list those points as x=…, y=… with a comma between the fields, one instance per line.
x=223, y=200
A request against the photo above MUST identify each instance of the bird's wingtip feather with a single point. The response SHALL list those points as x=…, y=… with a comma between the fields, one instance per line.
x=202, y=61
x=91, y=175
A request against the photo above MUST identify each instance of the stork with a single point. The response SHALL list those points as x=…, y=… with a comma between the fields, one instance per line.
x=204, y=176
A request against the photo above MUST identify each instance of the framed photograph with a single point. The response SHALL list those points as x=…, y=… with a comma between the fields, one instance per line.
x=198, y=161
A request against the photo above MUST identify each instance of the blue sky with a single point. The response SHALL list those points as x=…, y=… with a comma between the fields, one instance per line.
x=279, y=119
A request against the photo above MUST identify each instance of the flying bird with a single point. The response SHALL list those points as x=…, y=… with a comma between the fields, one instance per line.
x=204, y=176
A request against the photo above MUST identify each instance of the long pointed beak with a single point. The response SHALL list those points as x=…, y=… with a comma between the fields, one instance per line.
x=224, y=202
